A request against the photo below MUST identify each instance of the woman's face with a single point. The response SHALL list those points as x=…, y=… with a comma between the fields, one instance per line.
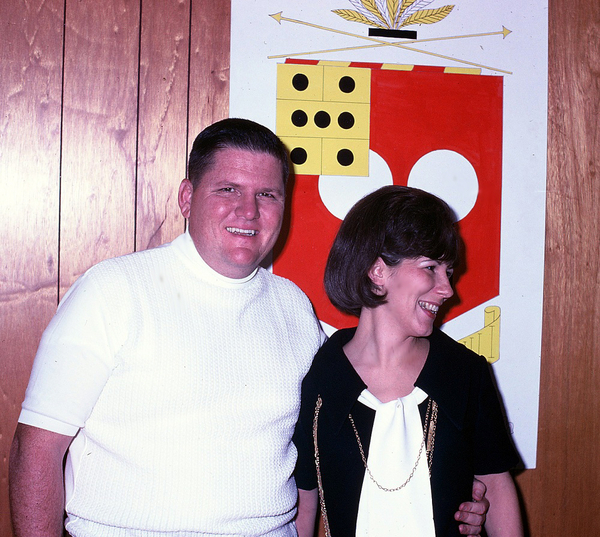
x=416, y=288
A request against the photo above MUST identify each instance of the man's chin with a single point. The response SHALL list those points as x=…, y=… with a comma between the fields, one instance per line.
x=243, y=262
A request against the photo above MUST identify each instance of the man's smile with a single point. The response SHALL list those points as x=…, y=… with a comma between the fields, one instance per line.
x=244, y=232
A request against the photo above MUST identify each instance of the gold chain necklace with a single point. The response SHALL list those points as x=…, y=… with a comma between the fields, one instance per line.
x=431, y=410
x=429, y=424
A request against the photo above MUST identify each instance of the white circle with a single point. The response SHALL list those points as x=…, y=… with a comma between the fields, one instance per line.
x=340, y=192
x=449, y=176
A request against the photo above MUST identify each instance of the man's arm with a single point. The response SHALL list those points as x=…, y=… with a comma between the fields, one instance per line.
x=504, y=517
x=37, y=493
x=307, y=512
x=471, y=514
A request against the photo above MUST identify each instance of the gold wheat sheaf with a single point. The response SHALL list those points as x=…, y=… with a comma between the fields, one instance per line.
x=393, y=14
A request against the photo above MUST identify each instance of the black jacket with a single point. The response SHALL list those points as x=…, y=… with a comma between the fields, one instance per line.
x=471, y=435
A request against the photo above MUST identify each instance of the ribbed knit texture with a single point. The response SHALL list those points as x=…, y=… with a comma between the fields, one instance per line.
x=191, y=433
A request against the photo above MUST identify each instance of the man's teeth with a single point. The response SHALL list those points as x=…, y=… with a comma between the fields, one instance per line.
x=430, y=307
x=246, y=232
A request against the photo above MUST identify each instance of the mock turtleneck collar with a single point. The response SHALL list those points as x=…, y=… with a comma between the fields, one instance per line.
x=185, y=245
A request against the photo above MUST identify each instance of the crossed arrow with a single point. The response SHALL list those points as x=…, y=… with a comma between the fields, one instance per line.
x=380, y=43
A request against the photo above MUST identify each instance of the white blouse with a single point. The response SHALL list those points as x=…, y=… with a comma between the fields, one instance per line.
x=395, y=442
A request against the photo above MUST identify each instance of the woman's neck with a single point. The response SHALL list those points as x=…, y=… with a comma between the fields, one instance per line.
x=387, y=361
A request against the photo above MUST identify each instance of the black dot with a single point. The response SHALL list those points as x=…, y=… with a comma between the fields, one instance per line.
x=345, y=157
x=322, y=119
x=347, y=84
x=298, y=155
x=300, y=82
x=299, y=118
x=346, y=120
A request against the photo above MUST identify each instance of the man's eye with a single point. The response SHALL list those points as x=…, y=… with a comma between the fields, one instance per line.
x=267, y=195
x=227, y=189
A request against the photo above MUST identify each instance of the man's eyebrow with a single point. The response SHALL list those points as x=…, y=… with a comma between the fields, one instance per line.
x=221, y=183
x=234, y=184
x=273, y=189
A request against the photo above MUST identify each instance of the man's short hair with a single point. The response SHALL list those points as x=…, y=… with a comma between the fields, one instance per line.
x=233, y=133
x=394, y=223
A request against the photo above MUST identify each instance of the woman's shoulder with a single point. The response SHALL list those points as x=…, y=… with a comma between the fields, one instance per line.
x=330, y=366
x=443, y=347
x=332, y=351
x=454, y=376
x=451, y=363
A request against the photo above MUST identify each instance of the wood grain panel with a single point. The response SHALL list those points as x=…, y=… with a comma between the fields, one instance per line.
x=30, y=91
x=99, y=190
x=162, y=120
x=209, y=64
x=99, y=134
x=561, y=494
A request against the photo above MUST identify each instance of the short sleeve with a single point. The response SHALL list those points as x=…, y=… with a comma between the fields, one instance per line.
x=494, y=449
x=305, y=474
x=74, y=360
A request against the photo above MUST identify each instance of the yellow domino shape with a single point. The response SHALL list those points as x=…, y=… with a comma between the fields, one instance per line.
x=346, y=84
x=313, y=149
x=337, y=113
x=360, y=157
x=323, y=117
x=292, y=76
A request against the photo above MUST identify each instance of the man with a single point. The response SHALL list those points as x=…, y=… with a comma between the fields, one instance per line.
x=171, y=377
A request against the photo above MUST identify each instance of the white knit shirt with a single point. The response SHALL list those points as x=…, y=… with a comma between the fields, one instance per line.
x=184, y=386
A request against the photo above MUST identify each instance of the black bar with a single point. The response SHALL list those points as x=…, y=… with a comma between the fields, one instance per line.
x=384, y=32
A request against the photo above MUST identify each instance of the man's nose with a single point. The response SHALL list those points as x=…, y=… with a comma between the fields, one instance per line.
x=247, y=207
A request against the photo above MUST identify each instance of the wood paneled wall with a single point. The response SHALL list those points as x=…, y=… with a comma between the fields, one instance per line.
x=562, y=494
x=99, y=102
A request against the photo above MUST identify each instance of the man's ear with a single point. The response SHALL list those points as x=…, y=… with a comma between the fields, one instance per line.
x=185, y=197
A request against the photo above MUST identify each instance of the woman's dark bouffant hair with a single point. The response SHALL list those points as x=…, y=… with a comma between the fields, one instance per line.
x=394, y=223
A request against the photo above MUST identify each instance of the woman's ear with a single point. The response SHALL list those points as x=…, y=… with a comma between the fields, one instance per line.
x=376, y=275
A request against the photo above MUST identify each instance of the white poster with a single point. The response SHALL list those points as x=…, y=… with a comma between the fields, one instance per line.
x=448, y=98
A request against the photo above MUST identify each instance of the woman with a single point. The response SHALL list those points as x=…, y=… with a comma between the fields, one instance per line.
x=402, y=417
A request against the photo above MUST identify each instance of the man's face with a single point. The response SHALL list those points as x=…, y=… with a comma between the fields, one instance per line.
x=235, y=212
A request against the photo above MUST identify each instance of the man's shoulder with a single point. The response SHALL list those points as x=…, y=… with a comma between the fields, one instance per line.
x=290, y=301
x=139, y=259
x=115, y=275
x=282, y=284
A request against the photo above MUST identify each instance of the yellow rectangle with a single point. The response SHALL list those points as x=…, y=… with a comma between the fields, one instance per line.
x=334, y=63
x=347, y=84
x=397, y=67
x=335, y=157
x=308, y=148
x=322, y=119
x=299, y=81
x=462, y=70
